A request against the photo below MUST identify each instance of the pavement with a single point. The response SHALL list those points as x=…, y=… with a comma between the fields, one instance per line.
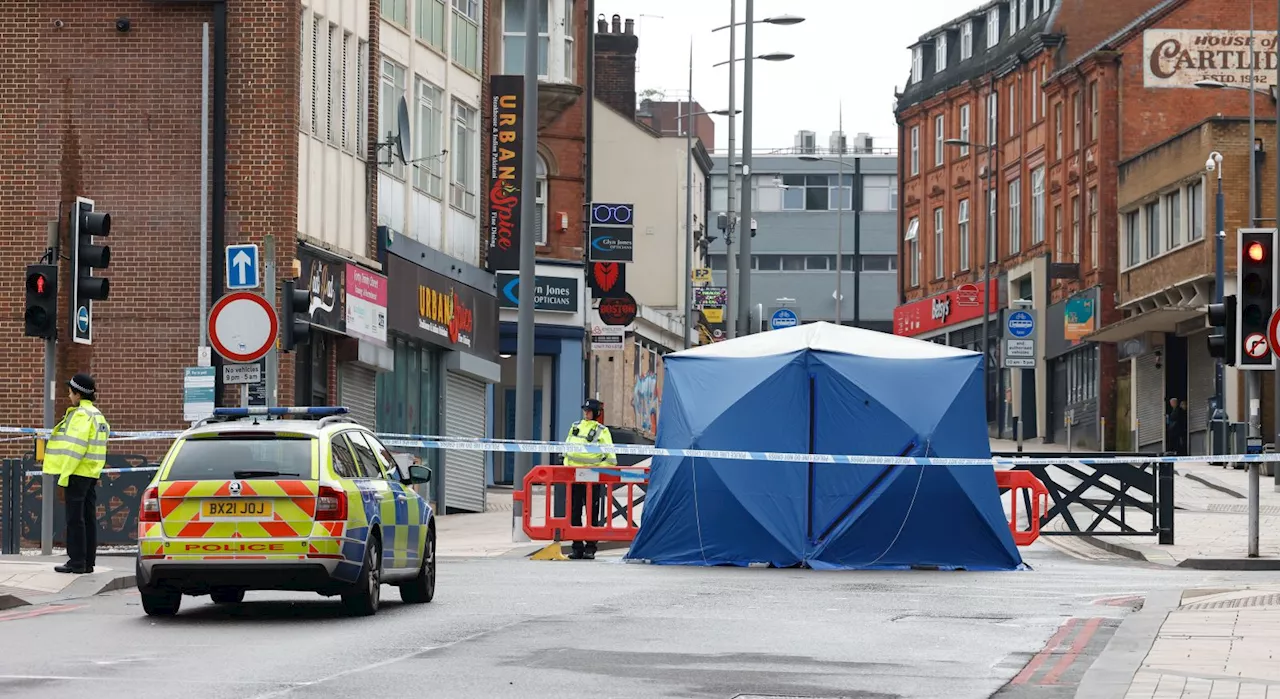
x=31, y=580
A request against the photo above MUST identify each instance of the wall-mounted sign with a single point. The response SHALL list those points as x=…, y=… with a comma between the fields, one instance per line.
x=366, y=304
x=618, y=310
x=710, y=296
x=611, y=244
x=429, y=306
x=603, y=214
x=605, y=339
x=550, y=293
x=1078, y=318
x=506, y=167
x=606, y=278
x=325, y=278
x=1183, y=57
x=956, y=306
x=702, y=275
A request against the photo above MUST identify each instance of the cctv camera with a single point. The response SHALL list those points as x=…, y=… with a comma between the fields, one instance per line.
x=123, y=24
x=1210, y=165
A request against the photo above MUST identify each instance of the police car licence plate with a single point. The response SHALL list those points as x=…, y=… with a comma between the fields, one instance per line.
x=235, y=508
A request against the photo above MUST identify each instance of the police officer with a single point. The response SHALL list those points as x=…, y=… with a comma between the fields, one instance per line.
x=76, y=453
x=588, y=430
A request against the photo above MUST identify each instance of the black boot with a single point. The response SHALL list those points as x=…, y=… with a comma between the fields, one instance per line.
x=76, y=570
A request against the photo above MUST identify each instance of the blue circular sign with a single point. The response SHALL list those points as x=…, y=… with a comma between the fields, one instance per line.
x=82, y=319
x=1021, y=324
x=784, y=318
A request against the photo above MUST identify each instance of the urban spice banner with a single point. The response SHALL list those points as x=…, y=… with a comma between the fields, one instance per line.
x=506, y=171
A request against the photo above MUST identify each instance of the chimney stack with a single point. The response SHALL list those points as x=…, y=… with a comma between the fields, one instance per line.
x=615, y=63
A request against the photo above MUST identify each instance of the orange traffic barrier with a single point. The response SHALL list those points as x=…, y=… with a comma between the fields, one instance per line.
x=565, y=503
x=1037, y=501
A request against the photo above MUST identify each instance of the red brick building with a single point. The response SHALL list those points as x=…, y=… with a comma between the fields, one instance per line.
x=103, y=100
x=1045, y=84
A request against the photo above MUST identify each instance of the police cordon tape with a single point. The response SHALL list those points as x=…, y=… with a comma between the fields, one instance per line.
x=411, y=441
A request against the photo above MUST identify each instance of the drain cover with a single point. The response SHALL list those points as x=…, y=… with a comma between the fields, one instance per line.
x=1242, y=509
x=1241, y=603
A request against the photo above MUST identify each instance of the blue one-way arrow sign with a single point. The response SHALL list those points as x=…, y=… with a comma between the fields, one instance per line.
x=242, y=267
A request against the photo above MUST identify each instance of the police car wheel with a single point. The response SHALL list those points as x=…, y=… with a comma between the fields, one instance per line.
x=160, y=602
x=364, y=600
x=227, y=596
x=422, y=589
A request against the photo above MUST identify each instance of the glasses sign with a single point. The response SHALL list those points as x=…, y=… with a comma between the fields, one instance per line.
x=612, y=214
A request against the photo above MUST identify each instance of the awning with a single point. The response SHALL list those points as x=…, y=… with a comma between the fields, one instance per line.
x=1158, y=320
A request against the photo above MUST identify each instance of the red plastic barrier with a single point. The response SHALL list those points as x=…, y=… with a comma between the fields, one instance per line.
x=1014, y=481
x=617, y=493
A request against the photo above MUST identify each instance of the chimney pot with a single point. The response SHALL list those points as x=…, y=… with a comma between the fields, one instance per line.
x=631, y=27
x=602, y=25
x=617, y=24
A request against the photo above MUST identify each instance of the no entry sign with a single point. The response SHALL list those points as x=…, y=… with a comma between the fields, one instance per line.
x=242, y=327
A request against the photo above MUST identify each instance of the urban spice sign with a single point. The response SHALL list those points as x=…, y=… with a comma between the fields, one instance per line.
x=1183, y=57
x=506, y=171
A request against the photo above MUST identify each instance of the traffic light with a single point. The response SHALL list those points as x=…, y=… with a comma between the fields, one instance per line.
x=1223, y=343
x=1256, y=296
x=295, y=328
x=86, y=224
x=41, y=316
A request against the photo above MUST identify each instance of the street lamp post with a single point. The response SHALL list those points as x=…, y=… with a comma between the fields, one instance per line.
x=857, y=243
x=988, y=364
x=1219, y=375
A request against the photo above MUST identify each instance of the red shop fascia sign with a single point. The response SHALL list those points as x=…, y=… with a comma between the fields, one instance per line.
x=961, y=304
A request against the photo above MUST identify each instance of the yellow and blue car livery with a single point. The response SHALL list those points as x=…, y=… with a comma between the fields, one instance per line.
x=310, y=501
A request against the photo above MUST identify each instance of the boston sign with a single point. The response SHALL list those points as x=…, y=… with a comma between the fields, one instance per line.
x=961, y=304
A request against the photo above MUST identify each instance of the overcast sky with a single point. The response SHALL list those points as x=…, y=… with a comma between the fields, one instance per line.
x=850, y=51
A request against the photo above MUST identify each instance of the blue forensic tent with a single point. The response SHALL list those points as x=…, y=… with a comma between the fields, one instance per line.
x=824, y=389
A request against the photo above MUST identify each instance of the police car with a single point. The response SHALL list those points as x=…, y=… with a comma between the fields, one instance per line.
x=301, y=499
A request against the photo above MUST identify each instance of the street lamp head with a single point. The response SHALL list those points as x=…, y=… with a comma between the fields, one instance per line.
x=1210, y=84
x=957, y=142
x=776, y=56
x=783, y=20
x=811, y=158
x=725, y=112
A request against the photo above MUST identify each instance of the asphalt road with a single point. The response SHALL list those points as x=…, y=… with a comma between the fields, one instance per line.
x=521, y=629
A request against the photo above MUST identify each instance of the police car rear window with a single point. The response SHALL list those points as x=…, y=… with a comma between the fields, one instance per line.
x=265, y=455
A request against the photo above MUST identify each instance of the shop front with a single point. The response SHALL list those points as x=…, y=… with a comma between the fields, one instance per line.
x=954, y=318
x=444, y=344
x=1075, y=414
x=559, y=359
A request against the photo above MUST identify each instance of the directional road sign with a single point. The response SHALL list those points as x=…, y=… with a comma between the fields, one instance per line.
x=242, y=267
x=243, y=327
x=1255, y=346
x=784, y=318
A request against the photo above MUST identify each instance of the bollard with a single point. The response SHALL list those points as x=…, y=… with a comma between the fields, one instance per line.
x=1164, y=506
x=1102, y=434
x=1017, y=425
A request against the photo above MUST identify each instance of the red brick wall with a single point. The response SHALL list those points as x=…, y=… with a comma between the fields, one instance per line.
x=115, y=117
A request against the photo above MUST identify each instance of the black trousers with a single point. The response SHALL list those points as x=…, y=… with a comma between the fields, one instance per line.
x=82, y=520
x=578, y=502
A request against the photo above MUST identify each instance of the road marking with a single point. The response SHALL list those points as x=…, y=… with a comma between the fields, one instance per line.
x=1081, y=642
x=1040, y=658
x=39, y=611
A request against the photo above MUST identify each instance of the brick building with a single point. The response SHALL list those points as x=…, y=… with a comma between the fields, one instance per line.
x=1045, y=83
x=106, y=98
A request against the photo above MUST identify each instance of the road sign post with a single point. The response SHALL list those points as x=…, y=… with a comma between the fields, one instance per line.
x=243, y=268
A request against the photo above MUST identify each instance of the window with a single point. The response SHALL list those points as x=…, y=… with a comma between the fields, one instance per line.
x=917, y=64
x=874, y=263
x=466, y=34
x=1152, y=211
x=792, y=263
x=348, y=46
x=567, y=32
x=362, y=99
x=219, y=458
x=1093, y=226
x=1132, y=239
x=818, y=263
x=1057, y=131
x=879, y=193
x=540, y=201
x=964, y=129
x=1057, y=231
x=993, y=112
x=1044, y=96
x=1035, y=98
x=993, y=27
x=513, y=46
x=1013, y=109
x=462, y=191
x=333, y=71
x=962, y=221
x=366, y=461
x=1195, y=211
x=1022, y=13
x=396, y=11
x=1075, y=229
x=344, y=460
x=1013, y=19
x=766, y=263
x=992, y=230
x=428, y=166
x=1037, y=206
x=966, y=41
x=912, y=239
x=392, y=91
x=915, y=150
x=939, y=136
x=316, y=86
x=1093, y=110
x=816, y=192
x=940, y=53
x=1173, y=220
x=1015, y=216
x=1076, y=139
x=939, y=266
x=428, y=22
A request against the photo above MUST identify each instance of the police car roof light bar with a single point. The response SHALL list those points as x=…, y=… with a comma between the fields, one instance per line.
x=296, y=412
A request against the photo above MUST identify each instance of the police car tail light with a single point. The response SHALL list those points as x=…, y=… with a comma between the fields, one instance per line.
x=150, y=505
x=331, y=504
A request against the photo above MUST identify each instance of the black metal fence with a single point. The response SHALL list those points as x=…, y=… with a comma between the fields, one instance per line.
x=1124, y=499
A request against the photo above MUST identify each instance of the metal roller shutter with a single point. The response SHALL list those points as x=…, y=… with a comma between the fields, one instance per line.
x=464, y=416
x=357, y=390
x=1150, y=398
x=1200, y=371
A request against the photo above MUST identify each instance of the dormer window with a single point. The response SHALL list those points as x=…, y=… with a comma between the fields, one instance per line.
x=966, y=41
x=917, y=64
x=1013, y=17
x=993, y=27
x=1022, y=14
x=940, y=53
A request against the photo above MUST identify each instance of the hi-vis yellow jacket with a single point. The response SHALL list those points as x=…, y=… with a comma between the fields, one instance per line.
x=589, y=432
x=78, y=445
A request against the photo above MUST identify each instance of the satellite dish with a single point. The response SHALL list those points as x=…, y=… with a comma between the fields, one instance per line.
x=404, y=150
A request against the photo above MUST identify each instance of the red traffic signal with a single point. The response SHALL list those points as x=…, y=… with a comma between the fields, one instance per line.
x=38, y=284
x=1256, y=252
